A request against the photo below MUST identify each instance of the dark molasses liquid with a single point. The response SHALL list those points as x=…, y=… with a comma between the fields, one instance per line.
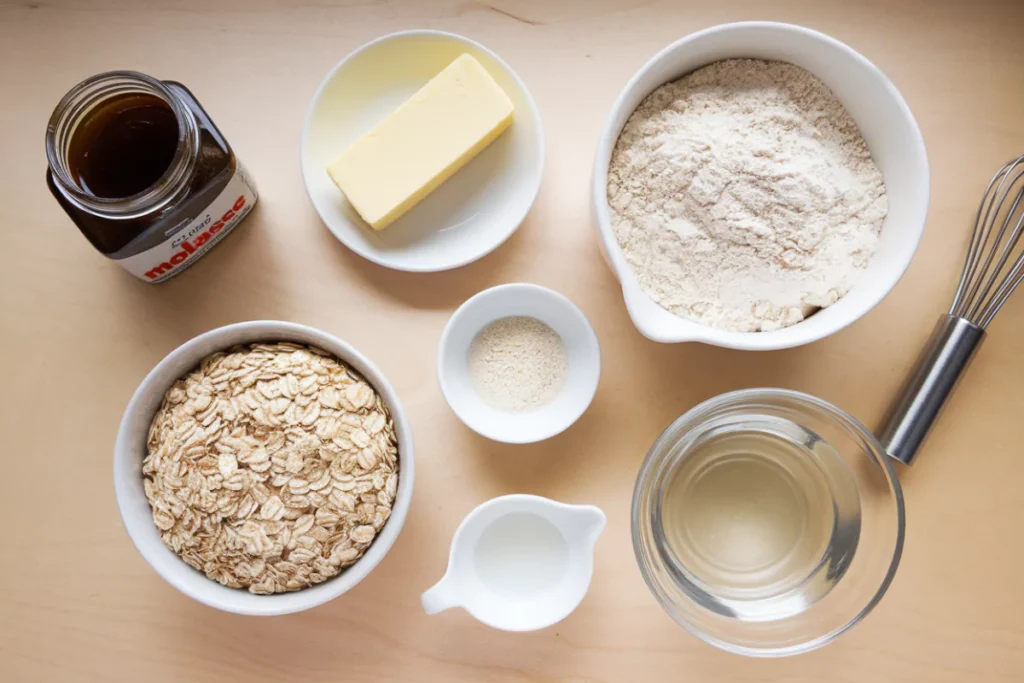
x=123, y=146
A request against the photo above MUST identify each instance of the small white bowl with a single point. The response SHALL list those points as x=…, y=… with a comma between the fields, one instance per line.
x=130, y=450
x=885, y=121
x=475, y=210
x=555, y=311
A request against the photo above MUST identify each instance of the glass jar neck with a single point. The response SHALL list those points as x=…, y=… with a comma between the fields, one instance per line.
x=76, y=107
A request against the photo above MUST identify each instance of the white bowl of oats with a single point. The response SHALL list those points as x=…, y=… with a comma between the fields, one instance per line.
x=264, y=467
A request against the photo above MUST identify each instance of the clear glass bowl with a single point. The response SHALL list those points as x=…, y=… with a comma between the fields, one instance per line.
x=805, y=581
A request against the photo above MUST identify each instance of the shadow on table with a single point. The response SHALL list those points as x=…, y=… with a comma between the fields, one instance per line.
x=232, y=283
x=444, y=290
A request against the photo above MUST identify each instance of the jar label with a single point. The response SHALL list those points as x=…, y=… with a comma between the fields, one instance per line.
x=183, y=247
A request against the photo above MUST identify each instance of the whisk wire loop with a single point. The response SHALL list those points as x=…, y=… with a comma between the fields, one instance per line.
x=985, y=286
x=1016, y=273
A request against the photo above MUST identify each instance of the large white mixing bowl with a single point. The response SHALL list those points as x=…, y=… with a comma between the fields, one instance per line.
x=885, y=121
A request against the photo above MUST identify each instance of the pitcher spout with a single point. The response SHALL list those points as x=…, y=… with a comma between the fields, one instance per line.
x=590, y=521
x=441, y=596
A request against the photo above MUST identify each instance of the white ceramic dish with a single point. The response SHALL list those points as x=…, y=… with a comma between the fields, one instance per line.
x=130, y=449
x=519, y=562
x=475, y=210
x=549, y=307
x=884, y=119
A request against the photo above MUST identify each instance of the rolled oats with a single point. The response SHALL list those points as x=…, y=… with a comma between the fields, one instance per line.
x=271, y=467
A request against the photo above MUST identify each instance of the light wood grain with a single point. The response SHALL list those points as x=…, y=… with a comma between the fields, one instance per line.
x=77, y=603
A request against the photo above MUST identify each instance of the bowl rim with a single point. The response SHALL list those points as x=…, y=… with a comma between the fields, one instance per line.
x=752, y=341
x=571, y=310
x=834, y=413
x=537, y=173
x=219, y=596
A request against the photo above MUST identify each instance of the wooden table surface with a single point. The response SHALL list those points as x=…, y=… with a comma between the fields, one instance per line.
x=78, y=603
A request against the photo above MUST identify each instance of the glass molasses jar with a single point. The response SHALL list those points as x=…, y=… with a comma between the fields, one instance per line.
x=144, y=173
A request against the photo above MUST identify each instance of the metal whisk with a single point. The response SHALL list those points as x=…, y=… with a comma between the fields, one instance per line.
x=993, y=269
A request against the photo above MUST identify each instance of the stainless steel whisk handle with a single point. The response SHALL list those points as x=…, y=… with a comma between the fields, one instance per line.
x=917, y=406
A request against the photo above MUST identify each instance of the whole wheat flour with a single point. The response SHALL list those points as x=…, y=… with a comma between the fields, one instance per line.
x=517, y=364
x=744, y=196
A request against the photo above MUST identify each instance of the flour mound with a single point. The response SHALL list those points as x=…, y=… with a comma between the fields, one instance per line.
x=744, y=196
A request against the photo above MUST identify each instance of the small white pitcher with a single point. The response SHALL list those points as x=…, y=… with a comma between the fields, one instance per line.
x=519, y=562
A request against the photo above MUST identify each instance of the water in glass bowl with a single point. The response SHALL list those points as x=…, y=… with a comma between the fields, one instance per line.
x=759, y=520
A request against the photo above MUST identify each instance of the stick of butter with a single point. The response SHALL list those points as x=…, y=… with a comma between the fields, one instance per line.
x=424, y=142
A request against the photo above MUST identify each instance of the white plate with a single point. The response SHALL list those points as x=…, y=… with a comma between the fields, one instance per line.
x=555, y=311
x=472, y=213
